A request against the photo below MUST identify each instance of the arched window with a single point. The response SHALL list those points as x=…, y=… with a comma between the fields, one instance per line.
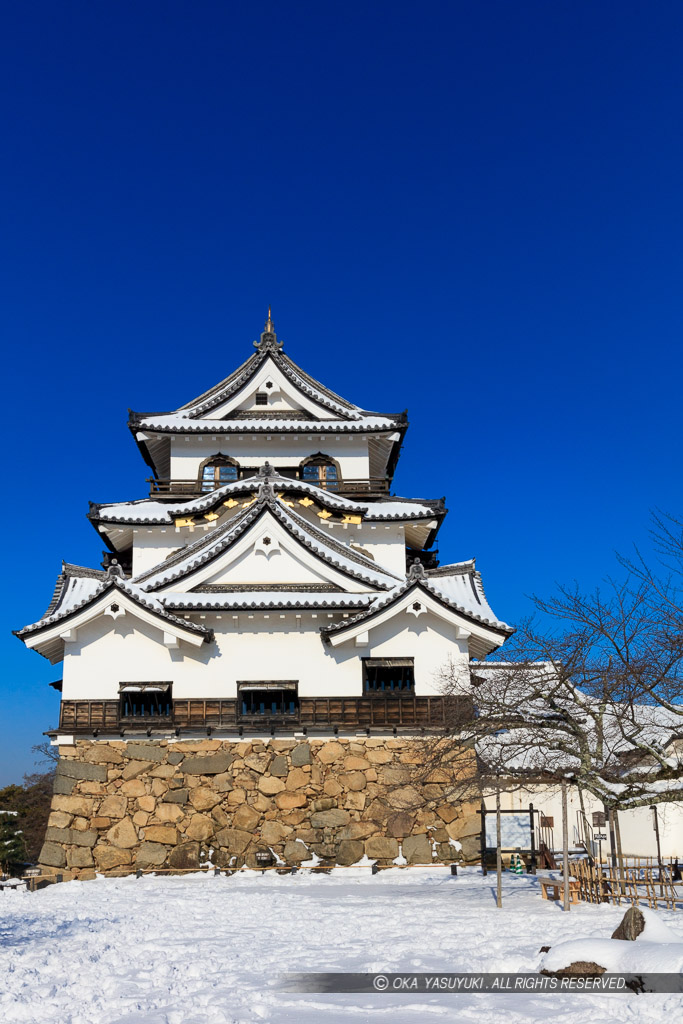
x=217, y=471
x=320, y=470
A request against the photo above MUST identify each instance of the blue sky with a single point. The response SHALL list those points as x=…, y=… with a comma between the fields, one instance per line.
x=473, y=210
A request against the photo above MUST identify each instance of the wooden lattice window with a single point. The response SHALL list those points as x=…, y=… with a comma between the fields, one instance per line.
x=145, y=701
x=388, y=676
x=268, y=699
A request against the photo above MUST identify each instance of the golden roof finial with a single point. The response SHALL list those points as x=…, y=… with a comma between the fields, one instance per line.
x=268, y=342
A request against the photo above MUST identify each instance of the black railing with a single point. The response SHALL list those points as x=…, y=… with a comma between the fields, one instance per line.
x=167, y=487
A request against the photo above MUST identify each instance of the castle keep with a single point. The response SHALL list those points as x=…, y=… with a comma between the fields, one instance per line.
x=253, y=667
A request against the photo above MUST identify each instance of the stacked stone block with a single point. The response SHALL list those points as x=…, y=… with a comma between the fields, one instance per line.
x=123, y=806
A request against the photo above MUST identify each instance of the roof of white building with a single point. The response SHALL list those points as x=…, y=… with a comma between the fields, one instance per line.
x=457, y=586
x=178, y=423
x=339, y=413
x=77, y=587
x=207, y=548
x=250, y=598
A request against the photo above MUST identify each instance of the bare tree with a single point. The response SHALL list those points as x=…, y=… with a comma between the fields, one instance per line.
x=594, y=694
x=49, y=753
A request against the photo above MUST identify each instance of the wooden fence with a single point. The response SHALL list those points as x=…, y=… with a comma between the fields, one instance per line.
x=635, y=884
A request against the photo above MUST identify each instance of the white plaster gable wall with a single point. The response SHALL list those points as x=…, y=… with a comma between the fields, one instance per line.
x=272, y=564
x=420, y=606
x=250, y=646
x=637, y=834
x=384, y=542
x=349, y=450
x=284, y=560
x=283, y=394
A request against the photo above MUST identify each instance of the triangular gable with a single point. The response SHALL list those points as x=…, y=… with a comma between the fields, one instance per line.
x=283, y=397
x=269, y=364
x=113, y=598
x=415, y=599
x=268, y=553
x=212, y=554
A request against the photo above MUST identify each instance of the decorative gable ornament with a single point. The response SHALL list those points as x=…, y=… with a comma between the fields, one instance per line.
x=417, y=608
x=268, y=342
x=267, y=545
x=416, y=571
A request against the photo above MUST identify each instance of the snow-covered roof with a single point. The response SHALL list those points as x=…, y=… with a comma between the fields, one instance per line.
x=264, y=599
x=209, y=547
x=460, y=590
x=75, y=590
x=537, y=737
x=193, y=416
x=178, y=423
x=149, y=511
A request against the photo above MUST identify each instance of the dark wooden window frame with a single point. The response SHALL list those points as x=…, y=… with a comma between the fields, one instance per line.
x=146, y=712
x=282, y=686
x=401, y=669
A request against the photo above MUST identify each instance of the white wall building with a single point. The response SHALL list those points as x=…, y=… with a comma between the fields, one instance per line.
x=270, y=583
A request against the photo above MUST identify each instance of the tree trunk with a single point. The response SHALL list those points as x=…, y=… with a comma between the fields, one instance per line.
x=586, y=828
x=499, y=854
x=612, y=838
x=565, y=848
x=620, y=855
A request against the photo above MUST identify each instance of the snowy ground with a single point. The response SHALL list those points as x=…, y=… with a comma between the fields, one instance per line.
x=207, y=950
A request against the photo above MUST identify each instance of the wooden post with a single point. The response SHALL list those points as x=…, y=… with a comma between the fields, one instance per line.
x=482, y=838
x=499, y=855
x=565, y=847
x=612, y=838
x=532, y=858
x=620, y=855
x=655, y=818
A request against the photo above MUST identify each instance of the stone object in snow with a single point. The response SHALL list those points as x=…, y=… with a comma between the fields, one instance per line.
x=631, y=925
x=578, y=967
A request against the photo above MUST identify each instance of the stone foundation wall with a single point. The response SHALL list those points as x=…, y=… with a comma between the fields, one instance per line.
x=122, y=806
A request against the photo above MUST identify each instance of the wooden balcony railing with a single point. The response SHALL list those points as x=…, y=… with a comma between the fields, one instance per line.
x=377, y=712
x=166, y=487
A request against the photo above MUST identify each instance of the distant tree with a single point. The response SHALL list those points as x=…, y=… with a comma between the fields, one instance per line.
x=31, y=802
x=12, y=845
x=49, y=754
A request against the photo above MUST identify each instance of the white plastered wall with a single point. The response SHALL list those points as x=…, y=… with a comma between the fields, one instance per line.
x=152, y=544
x=349, y=450
x=637, y=833
x=251, y=646
x=385, y=542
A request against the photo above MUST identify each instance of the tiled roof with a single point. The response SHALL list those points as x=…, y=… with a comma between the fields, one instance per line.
x=190, y=416
x=224, y=390
x=76, y=591
x=177, y=423
x=264, y=599
x=458, y=590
